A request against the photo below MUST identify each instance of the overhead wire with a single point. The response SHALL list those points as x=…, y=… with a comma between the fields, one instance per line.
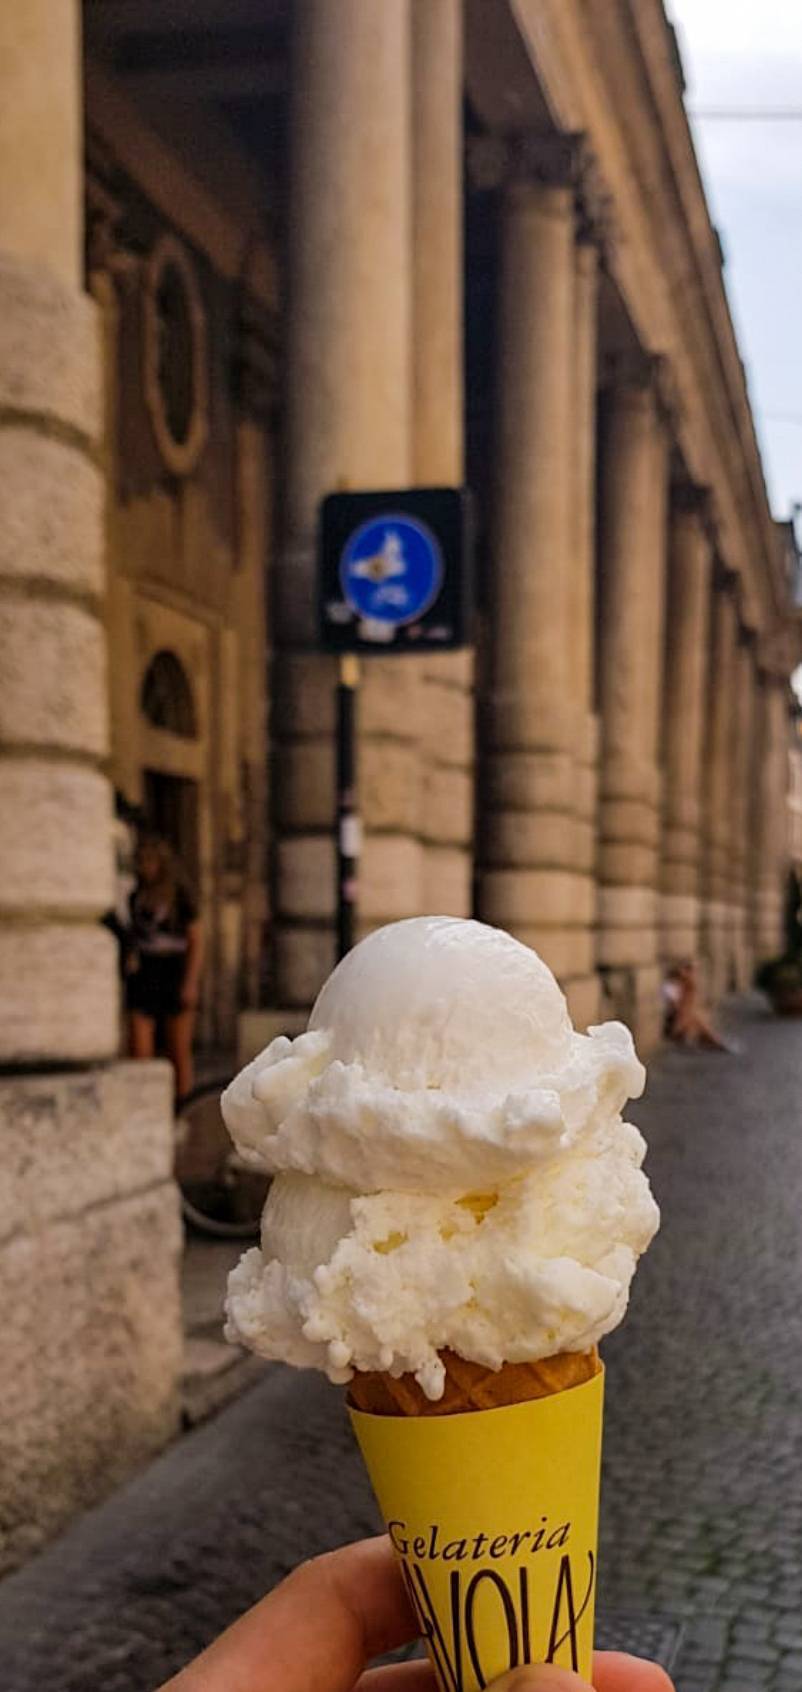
x=746, y=114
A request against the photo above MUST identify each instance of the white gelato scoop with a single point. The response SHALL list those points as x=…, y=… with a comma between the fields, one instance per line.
x=452, y=1167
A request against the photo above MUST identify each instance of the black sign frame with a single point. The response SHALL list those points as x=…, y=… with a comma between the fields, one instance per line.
x=447, y=623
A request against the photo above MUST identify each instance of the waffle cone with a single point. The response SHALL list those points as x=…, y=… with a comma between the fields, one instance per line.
x=472, y=1386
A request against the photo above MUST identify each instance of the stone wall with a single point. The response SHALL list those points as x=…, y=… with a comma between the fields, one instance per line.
x=188, y=541
x=89, y=1229
x=56, y=965
x=90, y=1240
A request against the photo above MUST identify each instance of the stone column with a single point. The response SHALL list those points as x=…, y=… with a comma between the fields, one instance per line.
x=41, y=187
x=437, y=143
x=687, y=636
x=715, y=921
x=770, y=820
x=87, y=1148
x=741, y=814
x=58, y=981
x=536, y=878
x=446, y=809
x=348, y=425
x=583, y=990
x=752, y=807
x=257, y=360
x=632, y=556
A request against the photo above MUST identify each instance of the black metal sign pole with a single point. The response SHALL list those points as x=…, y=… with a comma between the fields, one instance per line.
x=348, y=824
x=393, y=577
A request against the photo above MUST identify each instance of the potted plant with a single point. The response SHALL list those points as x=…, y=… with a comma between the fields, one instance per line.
x=781, y=978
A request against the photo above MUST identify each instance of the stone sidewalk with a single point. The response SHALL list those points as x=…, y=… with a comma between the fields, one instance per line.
x=702, y=1504
x=213, y=1372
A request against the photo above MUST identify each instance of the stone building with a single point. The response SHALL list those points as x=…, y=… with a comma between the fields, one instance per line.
x=795, y=793
x=793, y=563
x=253, y=251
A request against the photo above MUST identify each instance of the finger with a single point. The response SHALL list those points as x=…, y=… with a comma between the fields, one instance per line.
x=544, y=1677
x=398, y=1677
x=318, y=1628
x=614, y=1671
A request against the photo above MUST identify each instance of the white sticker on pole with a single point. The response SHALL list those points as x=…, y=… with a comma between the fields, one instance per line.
x=350, y=836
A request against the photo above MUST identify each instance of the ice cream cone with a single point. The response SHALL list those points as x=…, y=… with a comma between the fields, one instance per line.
x=493, y=1517
x=444, y=1145
x=471, y=1386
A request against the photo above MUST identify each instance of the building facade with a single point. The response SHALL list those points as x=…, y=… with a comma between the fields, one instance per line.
x=254, y=251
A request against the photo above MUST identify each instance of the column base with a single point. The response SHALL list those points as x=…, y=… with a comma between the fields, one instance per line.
x=768, y=924
x=741, y=952
x=90, y=1250
x=723, y=948
x=631, y=994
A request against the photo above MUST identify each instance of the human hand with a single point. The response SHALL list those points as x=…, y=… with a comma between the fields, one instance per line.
x=321, y=1626
x=189, y=997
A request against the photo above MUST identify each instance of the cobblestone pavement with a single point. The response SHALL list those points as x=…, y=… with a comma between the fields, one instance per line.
x=702, y=1512
x=702, y=1505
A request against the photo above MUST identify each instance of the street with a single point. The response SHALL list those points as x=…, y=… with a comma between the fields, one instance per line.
x=702, y=1498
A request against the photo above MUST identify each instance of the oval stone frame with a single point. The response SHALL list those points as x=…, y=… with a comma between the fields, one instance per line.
x=179, y=455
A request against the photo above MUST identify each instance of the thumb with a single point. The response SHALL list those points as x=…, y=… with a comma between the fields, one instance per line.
x=612, y=1672
x=540, y=1677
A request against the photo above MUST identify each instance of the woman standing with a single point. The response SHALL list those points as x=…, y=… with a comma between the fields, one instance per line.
x=163, y=977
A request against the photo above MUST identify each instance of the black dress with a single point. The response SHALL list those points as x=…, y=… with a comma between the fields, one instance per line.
x=159, y=940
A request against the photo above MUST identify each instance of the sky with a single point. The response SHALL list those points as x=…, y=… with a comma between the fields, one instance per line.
x=747, y=54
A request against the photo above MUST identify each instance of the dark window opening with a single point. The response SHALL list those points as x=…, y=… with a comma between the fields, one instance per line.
x=175, y=352
x=166, y=697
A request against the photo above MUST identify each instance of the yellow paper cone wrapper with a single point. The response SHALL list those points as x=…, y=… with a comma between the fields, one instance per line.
x=493, y=1514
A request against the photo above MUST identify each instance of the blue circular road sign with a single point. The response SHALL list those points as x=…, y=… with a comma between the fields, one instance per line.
x=391, y=569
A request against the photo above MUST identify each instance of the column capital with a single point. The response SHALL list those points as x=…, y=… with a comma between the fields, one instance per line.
x=487, y=161
x=110, y=245
x=553, y=161
x=596, y=222
x=775, y=659
x=568, y=161
x=647, y=373
x=747, y=625
x=256, y=359
x=725, y=580
x=697, y=499
x=692, y=498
